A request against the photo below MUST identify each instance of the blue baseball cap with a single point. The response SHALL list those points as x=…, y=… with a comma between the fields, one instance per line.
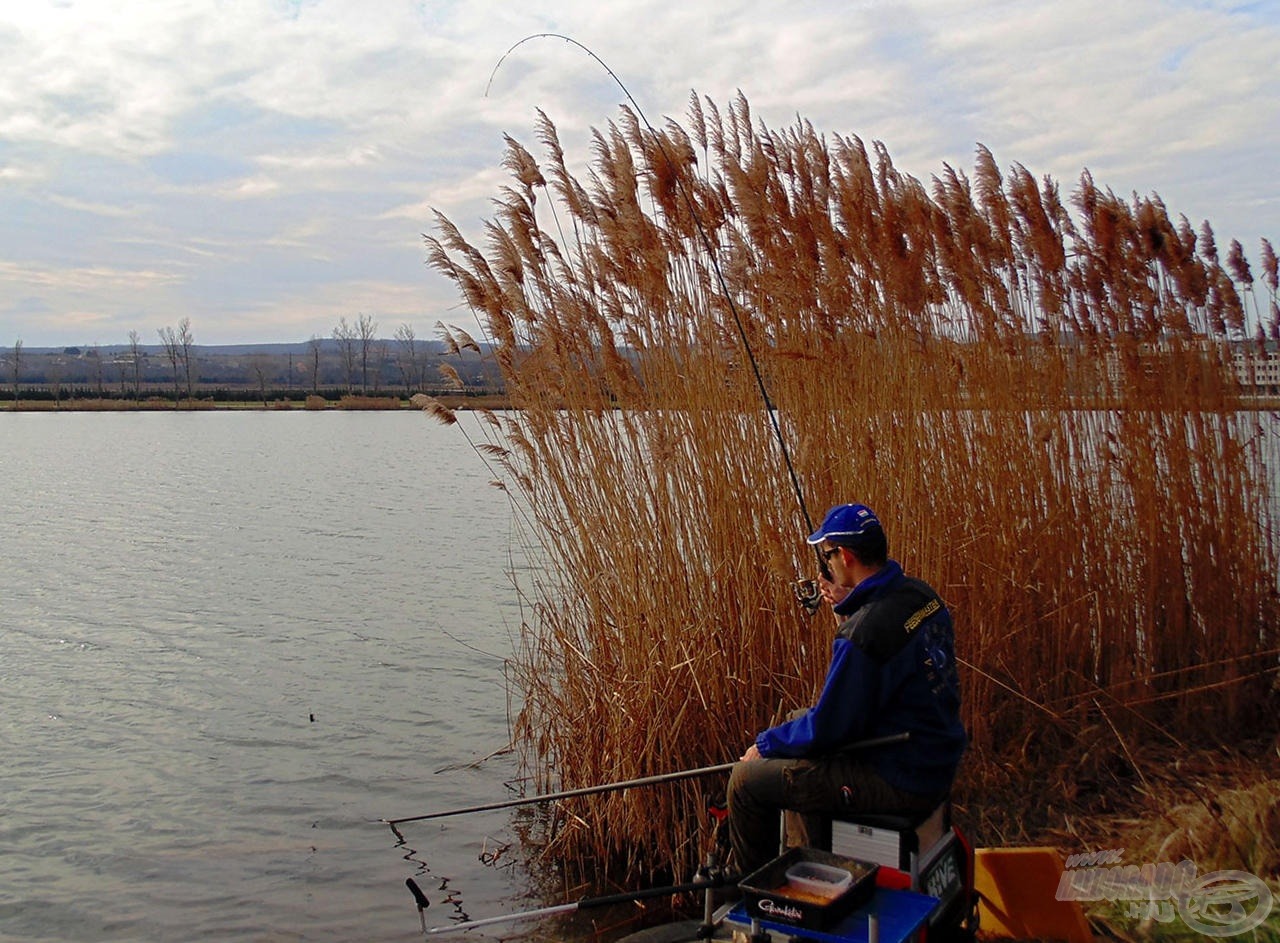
x=847, y=525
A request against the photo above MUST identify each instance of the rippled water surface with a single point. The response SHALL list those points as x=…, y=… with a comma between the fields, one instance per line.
x=229, y=644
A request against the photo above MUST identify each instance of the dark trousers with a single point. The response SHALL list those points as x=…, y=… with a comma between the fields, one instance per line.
x=759, y=789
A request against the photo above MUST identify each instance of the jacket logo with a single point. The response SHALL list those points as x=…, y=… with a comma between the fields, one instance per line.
x=920, y=615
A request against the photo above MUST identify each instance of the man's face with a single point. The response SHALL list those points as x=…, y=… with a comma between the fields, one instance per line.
x=846, y=569
x=834, y=557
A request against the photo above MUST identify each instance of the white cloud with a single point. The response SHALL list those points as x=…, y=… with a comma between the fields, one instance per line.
x=18, y=173
x=250, y=187
x=86, y=279
x=93, y=209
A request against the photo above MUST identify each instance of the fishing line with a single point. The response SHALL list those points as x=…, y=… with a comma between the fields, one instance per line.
x=770, y=409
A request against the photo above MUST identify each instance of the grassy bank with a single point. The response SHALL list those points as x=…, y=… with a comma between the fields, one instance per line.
x=459, y=401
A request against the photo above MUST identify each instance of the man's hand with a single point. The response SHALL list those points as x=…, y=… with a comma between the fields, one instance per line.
x=753, y=753
x=832, y=592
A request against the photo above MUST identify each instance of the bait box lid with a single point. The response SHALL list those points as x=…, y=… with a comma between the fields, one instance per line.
x=808, y=888
x=822, y=880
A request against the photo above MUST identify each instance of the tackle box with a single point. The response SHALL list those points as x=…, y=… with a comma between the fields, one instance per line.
x=808, y=888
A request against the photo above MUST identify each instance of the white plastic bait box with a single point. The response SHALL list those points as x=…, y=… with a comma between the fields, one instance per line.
x=821, y=880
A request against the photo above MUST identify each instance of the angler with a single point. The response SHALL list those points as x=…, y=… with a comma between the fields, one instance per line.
x=892, y=671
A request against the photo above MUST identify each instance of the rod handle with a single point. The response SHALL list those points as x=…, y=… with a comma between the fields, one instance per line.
x=418, y=896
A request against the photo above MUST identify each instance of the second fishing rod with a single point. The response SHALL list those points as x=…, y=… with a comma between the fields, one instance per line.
x=611, y=787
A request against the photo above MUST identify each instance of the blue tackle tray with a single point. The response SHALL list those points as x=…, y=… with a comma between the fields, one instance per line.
x=901, y=913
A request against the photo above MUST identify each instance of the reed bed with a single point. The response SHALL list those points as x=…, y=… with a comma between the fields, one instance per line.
x=1034, y=392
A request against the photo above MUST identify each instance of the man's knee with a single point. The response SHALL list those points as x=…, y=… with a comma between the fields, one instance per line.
x=743, y=781
x=735, y=781
x=758, y=783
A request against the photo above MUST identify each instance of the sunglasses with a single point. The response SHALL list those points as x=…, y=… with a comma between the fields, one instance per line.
x=828, y=553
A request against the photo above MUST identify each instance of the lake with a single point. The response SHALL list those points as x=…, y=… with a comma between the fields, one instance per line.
x=231, y=643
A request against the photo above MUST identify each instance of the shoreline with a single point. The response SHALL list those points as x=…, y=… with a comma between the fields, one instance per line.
x=346, y=404
x=456, y=402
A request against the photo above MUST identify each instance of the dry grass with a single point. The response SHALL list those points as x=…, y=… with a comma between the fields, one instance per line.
x=1035, y=397
x=150, y=404
x=369, y=402
x=461, y=400
x=1218, y=809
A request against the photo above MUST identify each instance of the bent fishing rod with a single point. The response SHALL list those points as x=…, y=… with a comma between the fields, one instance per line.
x=807, y=595
x=612, y=787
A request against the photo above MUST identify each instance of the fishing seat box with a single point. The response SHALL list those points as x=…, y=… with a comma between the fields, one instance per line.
x=772, y=894
x=923, y=853
x=895, y=841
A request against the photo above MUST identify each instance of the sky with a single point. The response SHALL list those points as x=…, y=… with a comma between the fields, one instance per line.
x=268, y=167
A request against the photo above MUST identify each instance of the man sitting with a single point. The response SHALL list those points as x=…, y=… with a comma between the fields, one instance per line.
x=892, y=671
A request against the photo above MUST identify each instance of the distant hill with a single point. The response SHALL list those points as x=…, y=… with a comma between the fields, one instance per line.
x=327, y=346
x=385, y=365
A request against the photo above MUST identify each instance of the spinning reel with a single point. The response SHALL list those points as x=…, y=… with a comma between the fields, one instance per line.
x=808, y=594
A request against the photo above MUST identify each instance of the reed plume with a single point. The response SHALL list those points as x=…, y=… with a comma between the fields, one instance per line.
x=1038, y=400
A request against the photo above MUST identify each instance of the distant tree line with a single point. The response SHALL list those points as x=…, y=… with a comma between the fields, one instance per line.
x=353, y=361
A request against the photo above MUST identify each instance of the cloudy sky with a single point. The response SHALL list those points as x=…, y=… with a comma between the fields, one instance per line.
x=265, y=167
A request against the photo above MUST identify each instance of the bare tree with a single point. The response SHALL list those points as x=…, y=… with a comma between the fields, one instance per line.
x=95, y=353
x=314, y=348
x=56, y=365
x=345, y=335
x=17, y=369
x=407, y=356
x=135, y=357
x=187, y=342
x=380, y=358
x=173, y=353
x=366, y=328
x=260, y=366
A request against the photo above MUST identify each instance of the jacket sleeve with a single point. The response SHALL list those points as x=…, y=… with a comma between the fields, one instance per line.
x=841, y=714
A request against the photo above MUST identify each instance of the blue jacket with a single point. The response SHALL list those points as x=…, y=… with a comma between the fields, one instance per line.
x=892, y=670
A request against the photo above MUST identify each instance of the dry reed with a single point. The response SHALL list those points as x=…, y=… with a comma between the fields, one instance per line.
x=368, y=402
x=1036, y=398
